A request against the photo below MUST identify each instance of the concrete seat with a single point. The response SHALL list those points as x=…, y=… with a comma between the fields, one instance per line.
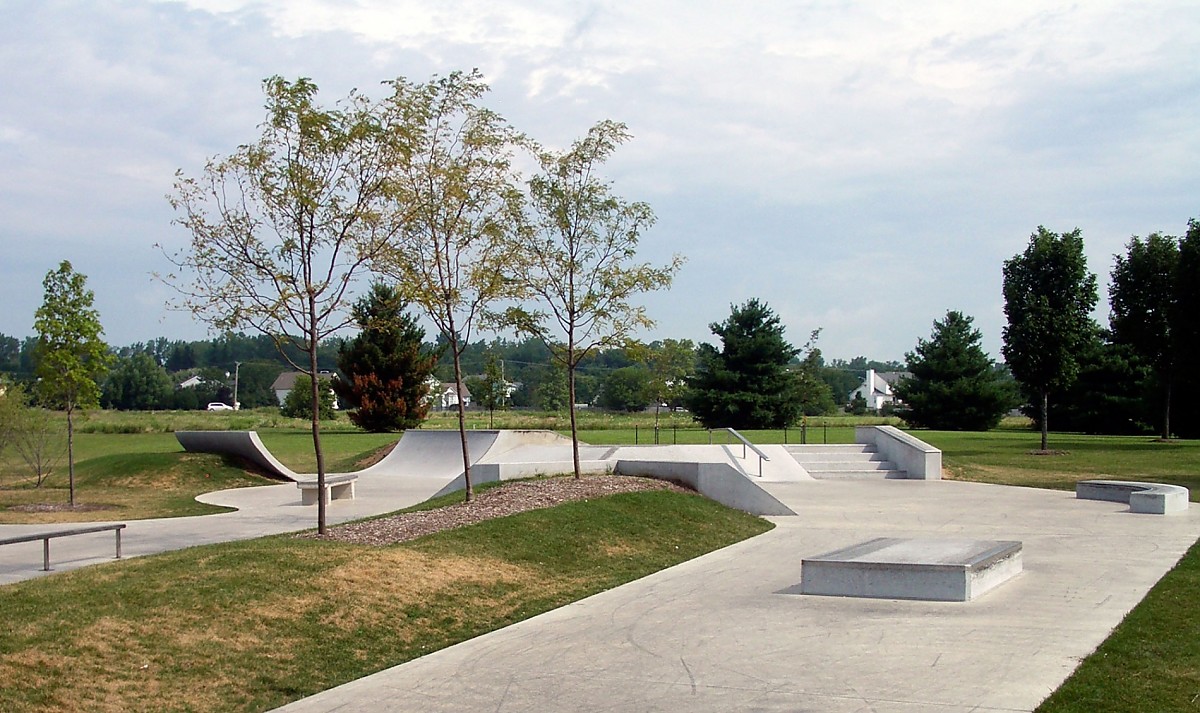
x=337, y=487
x=1152, y=498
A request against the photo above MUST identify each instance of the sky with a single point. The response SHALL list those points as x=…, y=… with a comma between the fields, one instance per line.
x=861, y=167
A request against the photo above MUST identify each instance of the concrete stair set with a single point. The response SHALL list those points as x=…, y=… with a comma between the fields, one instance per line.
x=855, y=461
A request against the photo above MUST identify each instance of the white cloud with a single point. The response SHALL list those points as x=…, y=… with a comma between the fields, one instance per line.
x=781, y=143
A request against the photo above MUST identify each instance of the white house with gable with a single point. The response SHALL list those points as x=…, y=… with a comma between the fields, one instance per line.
x=876, y=388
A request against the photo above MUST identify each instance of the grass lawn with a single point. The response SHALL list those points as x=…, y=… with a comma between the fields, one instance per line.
x=1005, y=457
x=130, y=476
x=251, y=625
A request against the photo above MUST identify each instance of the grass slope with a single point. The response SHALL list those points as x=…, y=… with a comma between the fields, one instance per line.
x=252, y=625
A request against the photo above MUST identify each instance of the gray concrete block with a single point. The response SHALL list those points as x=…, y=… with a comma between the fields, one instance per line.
x=955, y=570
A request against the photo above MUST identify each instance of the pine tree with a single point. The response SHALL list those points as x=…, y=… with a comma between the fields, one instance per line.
x=954, y=385
x=747, y=383
x=386, y=368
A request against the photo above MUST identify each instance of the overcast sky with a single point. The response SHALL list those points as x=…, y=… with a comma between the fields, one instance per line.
x=860, y=166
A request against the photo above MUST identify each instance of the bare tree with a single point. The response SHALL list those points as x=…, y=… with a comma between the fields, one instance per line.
x=281, y=228
x=38, y=439
x=576, y=258
x=454, y=180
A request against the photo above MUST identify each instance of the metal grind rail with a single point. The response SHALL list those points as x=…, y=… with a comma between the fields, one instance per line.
x=45, y=537
x=747, y=444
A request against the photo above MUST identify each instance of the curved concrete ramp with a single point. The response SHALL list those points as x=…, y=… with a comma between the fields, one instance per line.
x=432, y=454
x=243, y=444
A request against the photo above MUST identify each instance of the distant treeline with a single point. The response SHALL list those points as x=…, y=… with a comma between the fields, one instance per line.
x=147, y=375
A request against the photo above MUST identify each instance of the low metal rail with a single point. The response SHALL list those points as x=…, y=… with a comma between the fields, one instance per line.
x=747, y=444
x=45, y=537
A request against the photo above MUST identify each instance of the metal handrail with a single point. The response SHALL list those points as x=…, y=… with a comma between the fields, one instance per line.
x=747, y=444
x=45, y=537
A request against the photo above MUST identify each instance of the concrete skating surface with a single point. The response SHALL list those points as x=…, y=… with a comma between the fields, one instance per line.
x=730, y=631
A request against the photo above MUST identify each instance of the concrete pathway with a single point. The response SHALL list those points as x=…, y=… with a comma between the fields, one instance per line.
x=266, y=510
x=729, y=632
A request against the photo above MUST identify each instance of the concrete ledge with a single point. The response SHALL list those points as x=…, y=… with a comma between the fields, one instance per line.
x=718, y=481
x=921, y=568
x=1151, y=498
x=917, y=458
x=337, y=487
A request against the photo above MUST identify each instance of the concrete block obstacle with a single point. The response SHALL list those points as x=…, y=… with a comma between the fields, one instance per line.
x=940, y=570
x=1150, y=498
x=337, y=487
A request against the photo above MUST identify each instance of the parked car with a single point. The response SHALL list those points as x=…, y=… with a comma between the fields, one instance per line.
x=219, y=406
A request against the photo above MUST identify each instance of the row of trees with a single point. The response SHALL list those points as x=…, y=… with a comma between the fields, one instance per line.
x=1120, y=379
x=1067, y=368
x=418, y=188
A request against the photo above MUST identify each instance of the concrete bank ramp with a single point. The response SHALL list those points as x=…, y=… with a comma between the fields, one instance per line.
x=431, y=454
x=713, y=471
x=243, y=444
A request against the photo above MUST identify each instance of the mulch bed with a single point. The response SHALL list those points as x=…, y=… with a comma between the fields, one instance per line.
x=507, y=499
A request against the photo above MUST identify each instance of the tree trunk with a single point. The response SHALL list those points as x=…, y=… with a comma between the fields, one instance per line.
x=571, y=404
x=1045, y=416
x=70, y=455
x=1166, y=429
x=462, y=422
x=316, y=430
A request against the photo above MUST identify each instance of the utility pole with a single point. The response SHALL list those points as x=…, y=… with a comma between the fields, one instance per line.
x=237, y=366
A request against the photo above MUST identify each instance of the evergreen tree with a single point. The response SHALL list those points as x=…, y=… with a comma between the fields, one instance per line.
x=954, y=385
x=1048, y=298
x=747, y=383
x=1109, y=396
x=386, y=366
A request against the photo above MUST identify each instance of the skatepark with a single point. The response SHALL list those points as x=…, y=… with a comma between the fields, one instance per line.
x=737, y=629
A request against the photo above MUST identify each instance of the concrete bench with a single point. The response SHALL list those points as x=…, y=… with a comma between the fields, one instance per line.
x=337, y=487
x=1152, y=498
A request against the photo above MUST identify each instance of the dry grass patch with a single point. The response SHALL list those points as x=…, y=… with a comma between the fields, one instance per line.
x=248, y=626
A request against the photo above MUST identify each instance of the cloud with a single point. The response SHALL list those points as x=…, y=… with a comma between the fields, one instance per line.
x=861, y=166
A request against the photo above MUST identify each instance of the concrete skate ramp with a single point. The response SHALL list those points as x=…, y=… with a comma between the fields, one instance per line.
x=243, y=444
x=432, y=454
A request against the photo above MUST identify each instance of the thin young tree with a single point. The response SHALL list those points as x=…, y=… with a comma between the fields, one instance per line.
x=1048, y=299
x=489, y=390
x=281, y=228
x=453, y=179
x=577, y=257
x=71, y=355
